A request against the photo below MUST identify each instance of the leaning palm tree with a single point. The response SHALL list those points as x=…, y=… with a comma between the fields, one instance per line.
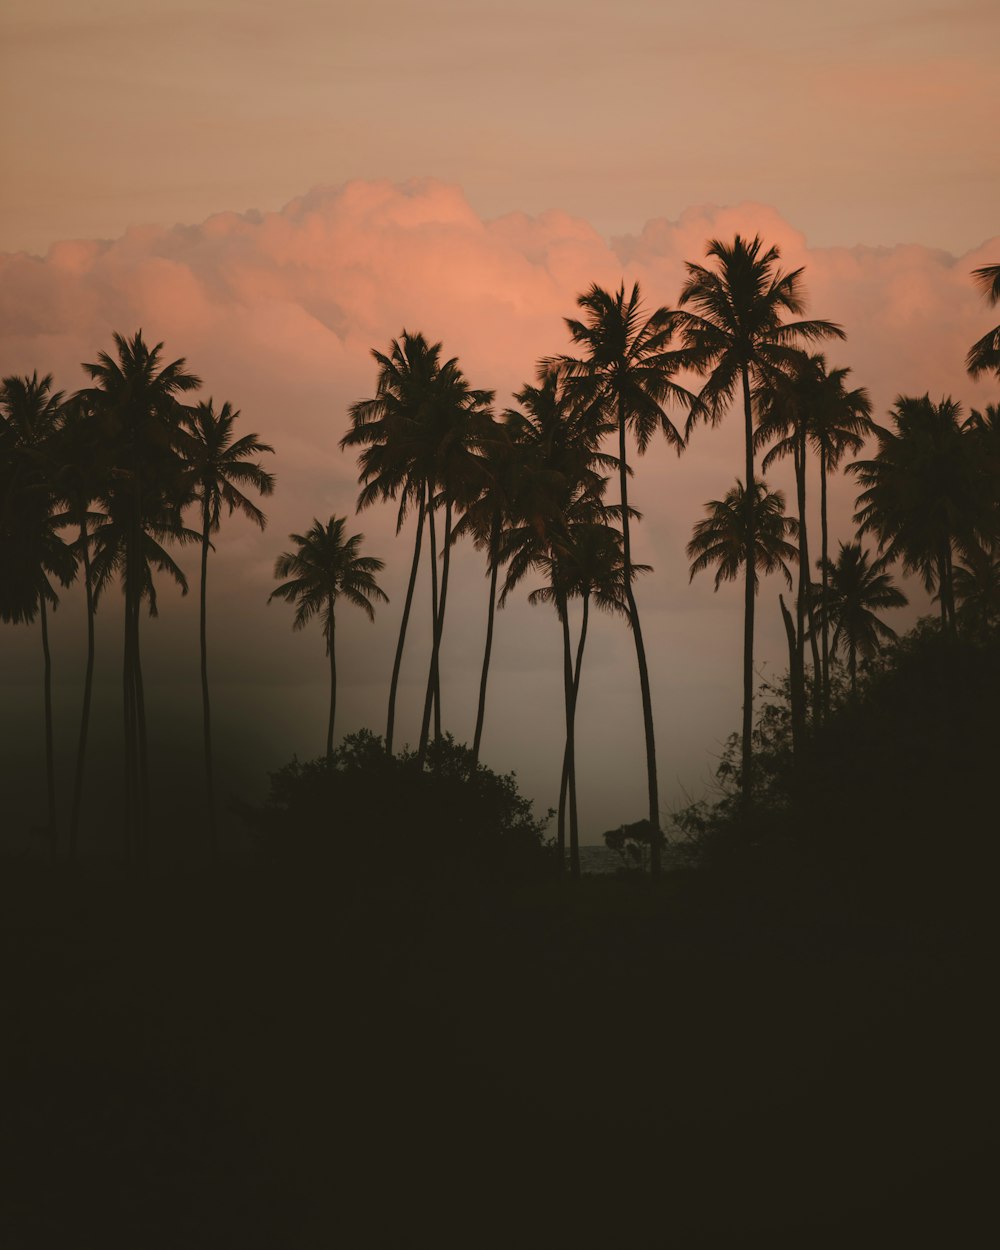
x=139, y=420
x=736, y=334
x=218, y=468
x=857, y=588
x=977, y=589
x=326, y=566
x=31, y=550
x=984, y=355
x=630, y=368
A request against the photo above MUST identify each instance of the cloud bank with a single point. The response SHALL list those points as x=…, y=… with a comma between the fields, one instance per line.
x=278, y=313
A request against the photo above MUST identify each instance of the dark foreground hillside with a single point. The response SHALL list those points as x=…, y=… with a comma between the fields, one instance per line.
x=275, y=1061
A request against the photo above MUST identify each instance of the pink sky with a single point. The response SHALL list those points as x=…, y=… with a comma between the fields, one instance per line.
x=278, y=313
x=476, y=166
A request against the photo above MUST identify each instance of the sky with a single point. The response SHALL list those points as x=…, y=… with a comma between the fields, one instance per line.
x=272, y=191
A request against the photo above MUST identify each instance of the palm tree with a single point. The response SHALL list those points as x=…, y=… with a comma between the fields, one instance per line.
x=855, y=589
x=631, y=368
x=984, y=355
x=736, y=334
x=840, y=423
x=500, y=470
x=558, y=433
x=404, y=429
x=784, y=412
x=31, y=551
x=587, y=564
x=977, y=589
x=218, y=468
x=922, y=496
x=139, y=419
x=720, y=539
x=325, y=567
x=77, y=483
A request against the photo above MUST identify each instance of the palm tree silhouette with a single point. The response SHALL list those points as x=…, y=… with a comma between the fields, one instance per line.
x=977, y=589
x=720, y=539
x=588, y=563
x=218, y=469
x=325, y=567
x=630, y=368
x=77, y=480
x=31, y=551
x=855, y=589
x=408, y=431
x=984, y=354
x=922, y=496
x=558, y=433
x=500, y=471
x=139, y=419
x=737, y=336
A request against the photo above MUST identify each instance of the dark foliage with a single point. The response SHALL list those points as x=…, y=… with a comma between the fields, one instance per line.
x=366, y=815
x=894, y=800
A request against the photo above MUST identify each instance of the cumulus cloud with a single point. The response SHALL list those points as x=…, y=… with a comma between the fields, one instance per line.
x=278, y=313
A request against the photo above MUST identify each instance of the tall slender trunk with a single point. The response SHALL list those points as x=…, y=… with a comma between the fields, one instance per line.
x=491, y=613
x=425, y=720
x=825, y=557
x=565, y=784
x=331, y=647
x=50, y=758
x=574, y=827
x=88, y=686
x=142, y=744
x=640, y=655
x=805, y=590
x=797, y=637
x=213, y=828
x=128, y=726
x=749, y=598
x=394, y=683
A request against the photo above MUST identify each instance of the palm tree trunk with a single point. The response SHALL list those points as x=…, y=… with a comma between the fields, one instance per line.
x=425, y=723
x=749, y=597
x=805, y=589
x=797, y=637
x=88, y=686
x=574, y=828
x=436, y=657
x=331, y=640
x=564, y=781
x=142, y=753
x=394, y=683
x=825, y=556
x=213, y=831
x=50, y=759
x=640, y=655
x=491, y=613
x=128, y=717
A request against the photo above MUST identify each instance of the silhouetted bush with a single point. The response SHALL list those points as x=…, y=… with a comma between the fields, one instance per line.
x=895, y=796
x=365, y=814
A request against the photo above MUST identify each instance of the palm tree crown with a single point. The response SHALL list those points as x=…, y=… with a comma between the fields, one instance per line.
x=984, y=355
x=857, y=588
x=721, y=538
x=325, y=567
